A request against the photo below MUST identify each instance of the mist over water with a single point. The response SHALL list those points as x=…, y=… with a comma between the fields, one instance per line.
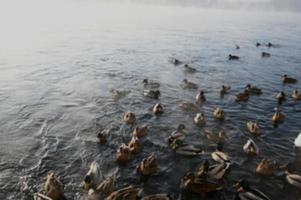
x=60, y=59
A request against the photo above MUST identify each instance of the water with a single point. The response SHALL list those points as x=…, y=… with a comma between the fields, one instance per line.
x=59, y=62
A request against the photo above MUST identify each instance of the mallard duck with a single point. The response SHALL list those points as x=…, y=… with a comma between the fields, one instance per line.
x=127, y=193
x=177, y=137
x=189, y=69
x=267, y=167
x=225, y=90
x=102, y=136
x=129, y=117
x=90, y=179
x=286, y=79
x=250, y=148
x=219, y=113
x=219, y=156
x=216, y=171
x=269, y=44
x=199, y=119
x=253, y=128
x=140, y=131
x=124, y=153
x=258, y=44
x=135, y=145
x=219, y=137
x=252, y=90
x=158, y=197
x=158, y=109
x=293, y=179
x=242, y=97
x=53, y=187
x=244, y=192
x=154, y=94
x=188, y=84
x=150, y=84
x=281, y=97
x=265, y=54
x=200, y=97
x=148, y=165
x=119, y=94
x=296, y=95
x=298, y=141
x=278, y=117
x=233, y=57
x=197, y=185
x=104, y=189
x=189, y=106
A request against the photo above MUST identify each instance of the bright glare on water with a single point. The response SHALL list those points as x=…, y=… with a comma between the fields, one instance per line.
x=59, y=61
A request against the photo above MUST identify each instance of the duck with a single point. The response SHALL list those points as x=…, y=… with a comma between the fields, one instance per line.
x=219, y=156
x=293, y=179
x=134, y=145
x=286, y=79
x=153, y=94
x=177, y=137
x=296, y=95
x=221, y=136
x=129, y=118
x=175, y=61
x=53, y=187
x=225, y=90
x=102, y=136
x=250, y=148
x=188, y=84
x=189, y=69
x=258, y=44
x=90, y=179
x=140, y=131
x=189, y=106
x=150, y=84
x=281, y=97
x=123, y=154
x=267, y=167
x=233, y=57
x=216, y=171
x=265, y=54
x=198, y=185
x=158, y=109
x=252, y=90
x=127, y=193
x=148, y=165
x=200, y=97
x=158, y=197
x=244, y=191
x=199, y=119
x=269, y=44
x=253, y=128
x=237, y=47
x=242, y=97
x=278, y=117
x=297, y=141
x=119, y=94
x=219, y=113
x=104, y=189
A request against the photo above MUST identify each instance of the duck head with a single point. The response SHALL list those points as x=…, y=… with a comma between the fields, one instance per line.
x=129, y=117
x=158, y=109
x=134, y=145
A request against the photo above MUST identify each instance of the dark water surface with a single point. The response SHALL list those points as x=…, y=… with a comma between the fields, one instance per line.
x=56, y=75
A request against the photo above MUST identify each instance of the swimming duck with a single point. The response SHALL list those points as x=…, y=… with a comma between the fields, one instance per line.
x=104, y=189
x=177, y=137
x=281, y=97
x=254, y=128
x=233, y=57
x=188, y=84
x=102, y=136
x=296, y=95
x=148, y=165
x=237, y=47
x=175, y=61
x=267, y=167
x=158, y=109
x=219, y=156
x=189, y=69
x=252, y=90
x=189, y=106
x=119, y=94
x=200, y=97
x=219, y=113
x=216, y=171
x=53, y=187
x=150, y=84
x=123, y=154
x=278, y=117
x=154, y=94
x=242, y=97
x=244, y=192
x=269, y=44
x=135, y=145
x=90, y=179
x=197, y=185
x=298, y=141
x=225, y=90
x=140, y=131
x=199, y=119
x=127, y=193
x=265, y=54
x=258, y=44
x=158, y=197
x=293, y=179
x=286, y=79
x=250, y=148
x=215, y=137
x=129, y=117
